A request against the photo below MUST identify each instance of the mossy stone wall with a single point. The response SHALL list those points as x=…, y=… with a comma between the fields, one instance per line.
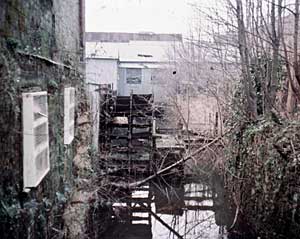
x=29, y=45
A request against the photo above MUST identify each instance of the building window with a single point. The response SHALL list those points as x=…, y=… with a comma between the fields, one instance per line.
x=36, y=162
x=133, y=76
x=69, y=114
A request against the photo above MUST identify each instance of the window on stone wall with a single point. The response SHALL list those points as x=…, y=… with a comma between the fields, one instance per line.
x=133, y=76
x=69, y=114
x=36, y=162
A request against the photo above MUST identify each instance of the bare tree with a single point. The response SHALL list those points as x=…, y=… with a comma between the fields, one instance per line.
x=251, y=101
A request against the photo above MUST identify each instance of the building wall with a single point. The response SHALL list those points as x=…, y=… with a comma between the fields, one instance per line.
x=39, y=51
x=69, y=28
x=29, y=25
x=125, y=89
x=99, y=71
x=44, y=28
x=164, y=84
x=94, y=99
x=102, y=71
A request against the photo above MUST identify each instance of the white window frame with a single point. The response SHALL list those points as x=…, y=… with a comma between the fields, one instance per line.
x=69, y=118
x=32, y=149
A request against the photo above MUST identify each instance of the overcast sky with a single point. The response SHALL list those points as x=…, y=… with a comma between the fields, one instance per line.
x=160, y=16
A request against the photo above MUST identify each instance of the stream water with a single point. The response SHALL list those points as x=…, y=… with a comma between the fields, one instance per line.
x=166, y=209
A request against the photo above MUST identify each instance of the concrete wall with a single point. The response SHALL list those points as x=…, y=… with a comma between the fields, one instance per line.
x=144, y=88
x=94, y=99
x=99, y=71
x=163, y=84
x=102, y=71
x=39, y=51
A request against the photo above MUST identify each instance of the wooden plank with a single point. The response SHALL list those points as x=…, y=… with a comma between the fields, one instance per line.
x=138, y=200
x=136, y=218
x=200, y=208
x=197, y=199
x=138, y=126
x=139, y=209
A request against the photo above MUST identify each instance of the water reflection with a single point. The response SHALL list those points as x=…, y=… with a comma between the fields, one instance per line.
x=188, y=209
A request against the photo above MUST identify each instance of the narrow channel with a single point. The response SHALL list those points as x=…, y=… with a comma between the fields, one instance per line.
x=179, y=203
x=190, y=208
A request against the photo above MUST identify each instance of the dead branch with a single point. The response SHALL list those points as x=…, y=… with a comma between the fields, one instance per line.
x=163, y=223
x=174, y=165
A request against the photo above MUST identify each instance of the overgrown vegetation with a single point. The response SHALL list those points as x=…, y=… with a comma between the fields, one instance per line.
x=263, y=178
x=263, y=147
x=38, y=214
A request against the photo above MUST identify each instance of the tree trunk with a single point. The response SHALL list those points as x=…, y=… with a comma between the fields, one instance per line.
x=290, y=103
x=251, y=101
x=275, y=37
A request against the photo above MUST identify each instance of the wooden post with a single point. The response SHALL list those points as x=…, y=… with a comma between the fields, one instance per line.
x=130, y=131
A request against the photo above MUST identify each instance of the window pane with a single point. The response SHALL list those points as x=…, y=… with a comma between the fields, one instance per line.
x=133, y=76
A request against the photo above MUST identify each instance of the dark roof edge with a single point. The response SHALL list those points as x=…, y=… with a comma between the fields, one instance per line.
x=126, y=36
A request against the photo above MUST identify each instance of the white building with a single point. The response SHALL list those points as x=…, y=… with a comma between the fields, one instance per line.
x=127, y=60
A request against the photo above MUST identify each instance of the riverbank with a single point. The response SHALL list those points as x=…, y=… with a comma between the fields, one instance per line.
x=262, y=175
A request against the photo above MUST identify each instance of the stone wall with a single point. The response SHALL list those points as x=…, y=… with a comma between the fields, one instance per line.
x=40, y=50
x=51, y=28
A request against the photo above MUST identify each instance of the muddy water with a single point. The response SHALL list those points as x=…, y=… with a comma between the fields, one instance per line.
x=167, y=209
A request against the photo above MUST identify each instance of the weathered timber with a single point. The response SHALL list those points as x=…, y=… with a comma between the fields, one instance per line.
x=166, y=169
